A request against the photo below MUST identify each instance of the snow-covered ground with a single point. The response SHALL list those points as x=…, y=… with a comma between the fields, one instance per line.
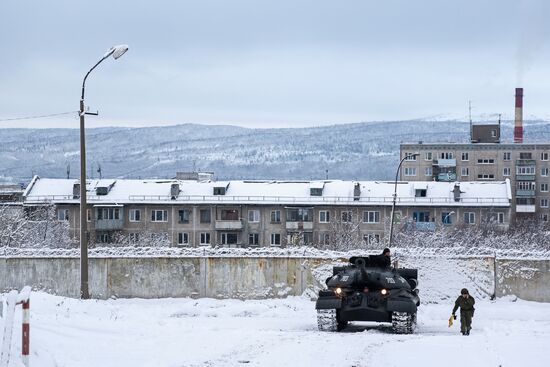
x=283, y=332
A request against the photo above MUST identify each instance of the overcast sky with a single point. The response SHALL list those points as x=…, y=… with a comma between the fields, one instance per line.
x=278, y=63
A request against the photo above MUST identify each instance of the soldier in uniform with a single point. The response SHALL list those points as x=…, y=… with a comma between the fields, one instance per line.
x=383, y=260
x=466, y=304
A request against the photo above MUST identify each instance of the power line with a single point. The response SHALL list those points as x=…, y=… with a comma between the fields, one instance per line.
x=38, y=117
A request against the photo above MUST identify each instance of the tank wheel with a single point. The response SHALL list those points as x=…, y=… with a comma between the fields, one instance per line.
x=326, y=320
x=403, y=322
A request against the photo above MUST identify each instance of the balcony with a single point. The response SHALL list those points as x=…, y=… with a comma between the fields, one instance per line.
x=525, y=208
x=523, y=193
x=109, y=224
x=299, y=226
x=526, y=162
x=444, y=162
x=525, y=177
x=229, y=225
x=446, y=177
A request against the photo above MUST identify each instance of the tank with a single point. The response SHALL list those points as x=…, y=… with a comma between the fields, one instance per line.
x=368, y=290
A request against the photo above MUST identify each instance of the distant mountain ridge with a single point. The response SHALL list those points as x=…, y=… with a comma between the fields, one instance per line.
x=366, y=151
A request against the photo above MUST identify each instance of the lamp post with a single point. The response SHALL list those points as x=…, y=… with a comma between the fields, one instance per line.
x=409, y=156
x=447, y=216
x=116, y=52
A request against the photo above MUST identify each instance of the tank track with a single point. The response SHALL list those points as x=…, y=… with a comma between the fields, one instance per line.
x=326, y=320
x=403, y=322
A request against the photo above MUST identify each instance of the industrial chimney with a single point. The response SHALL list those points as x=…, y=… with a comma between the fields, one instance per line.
x=518, y=125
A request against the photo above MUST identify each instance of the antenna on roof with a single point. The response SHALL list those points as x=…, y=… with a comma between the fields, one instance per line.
x=68, y=170
x=99, y=170
x=326, y=174
x=470, y=117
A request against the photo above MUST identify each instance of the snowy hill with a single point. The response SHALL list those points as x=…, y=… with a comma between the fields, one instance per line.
x=351, y=151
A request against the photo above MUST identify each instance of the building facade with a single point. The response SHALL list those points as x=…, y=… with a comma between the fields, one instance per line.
x=266, y=213
x=525, y=165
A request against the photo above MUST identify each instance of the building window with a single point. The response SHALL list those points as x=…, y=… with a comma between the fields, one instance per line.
x=506, y=171
x=324, y=216
x=544, y=187
x=230, y=214
x=275, y=239
x=229, y=238
x=428, y=171
x=420, y=193
x=525, y=155
x=410, y=157
x=544, y=203
x=428, y=156
x=205, y=216
x=133, y=237
x=446, y=217
x=135, y=215
x=299, y=215
x=410, y=171
x=493, y=133
x=183, y=216
x=465, y=157
x=544, y=172
x=495, y=218
x=183, y=238
x=108, y=213
x=526, y=185
x=464, y=171
x=103, y=237
x=275, y=216
x=346, y=216
x=544, y=156
x=253, y=239
x=371, y=217
x=525, y=170
x=486, y=176
x=88, y=215
x=544, y=217
x=62, y=214
x=324, y=238
x=159, y=216
x=253, y=216
x=446, y=155
x=470, y=218
x=371, y=238
x=485, y=161
x=421, y=216
x=205, y=238
x=507, y=156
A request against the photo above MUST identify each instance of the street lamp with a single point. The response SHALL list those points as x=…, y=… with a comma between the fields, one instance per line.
x=116, y=52
x=444, y=221
x=408, y=156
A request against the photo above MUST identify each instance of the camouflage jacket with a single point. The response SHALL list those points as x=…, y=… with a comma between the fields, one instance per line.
x=465, y=304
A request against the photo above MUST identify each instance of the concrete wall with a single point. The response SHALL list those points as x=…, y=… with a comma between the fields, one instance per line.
x=230, y=277
x=526, y=279
x=249, y=277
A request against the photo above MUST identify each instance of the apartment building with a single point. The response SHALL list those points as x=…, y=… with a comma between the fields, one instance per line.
x=266, y=213
x=486, y=159
x=525, y=165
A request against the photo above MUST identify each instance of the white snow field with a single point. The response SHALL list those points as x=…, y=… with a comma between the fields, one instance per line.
x=277, y=332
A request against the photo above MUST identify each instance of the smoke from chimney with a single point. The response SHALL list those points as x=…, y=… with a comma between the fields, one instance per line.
x=518, y=125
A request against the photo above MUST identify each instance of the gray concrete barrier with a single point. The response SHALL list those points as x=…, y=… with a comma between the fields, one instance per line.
x=264, y=277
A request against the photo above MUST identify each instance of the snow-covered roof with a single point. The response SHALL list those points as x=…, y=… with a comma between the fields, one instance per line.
x=335, y=192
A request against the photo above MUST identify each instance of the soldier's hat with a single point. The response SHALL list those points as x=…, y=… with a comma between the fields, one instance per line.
x=464, y=291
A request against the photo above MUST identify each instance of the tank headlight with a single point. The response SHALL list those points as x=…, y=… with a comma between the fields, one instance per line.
x=338, y=291
x=384, y=292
